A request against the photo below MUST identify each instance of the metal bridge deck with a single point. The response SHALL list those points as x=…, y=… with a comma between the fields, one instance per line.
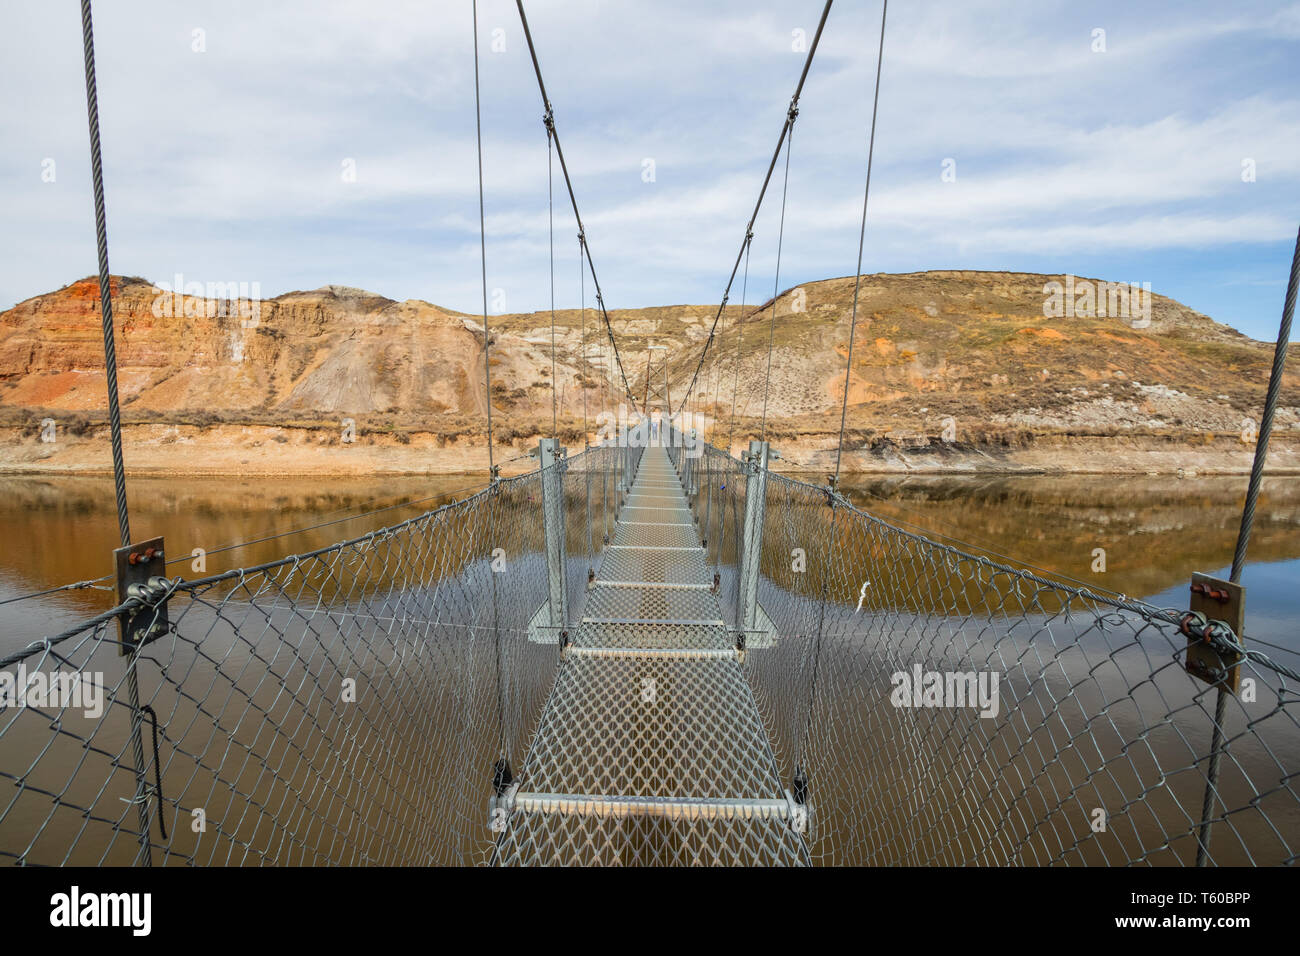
x=650, y=749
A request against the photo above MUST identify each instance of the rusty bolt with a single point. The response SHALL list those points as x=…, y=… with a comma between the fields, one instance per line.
x=1214, y=594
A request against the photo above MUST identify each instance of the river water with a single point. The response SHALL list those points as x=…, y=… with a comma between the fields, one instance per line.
x=1154, y=531
x=1142, y=537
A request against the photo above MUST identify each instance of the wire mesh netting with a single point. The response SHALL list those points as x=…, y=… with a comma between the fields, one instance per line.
x=340, y=707
x=347, y=706
x=1094, y=749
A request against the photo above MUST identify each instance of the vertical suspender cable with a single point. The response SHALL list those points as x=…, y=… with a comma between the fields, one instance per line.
x=501, y=770
x=105, y=294
x=550, y=220
x=1243, y=541
x=801, y=739
x=1266, y=422
x=776, y=282
x=731, y=428
x=582, y=292
x=145, y=854
x=740, y=338
x=482, y=233
x=582, y=386
x=862, y=236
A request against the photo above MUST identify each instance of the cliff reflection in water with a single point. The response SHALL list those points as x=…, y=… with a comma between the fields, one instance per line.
x=55, y=530
x=1154, y=531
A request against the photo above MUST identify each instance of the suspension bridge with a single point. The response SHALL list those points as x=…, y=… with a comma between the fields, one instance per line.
x=649, y=651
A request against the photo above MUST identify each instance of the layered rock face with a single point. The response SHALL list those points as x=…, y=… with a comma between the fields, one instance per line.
x=333, y=350
x=988, y=350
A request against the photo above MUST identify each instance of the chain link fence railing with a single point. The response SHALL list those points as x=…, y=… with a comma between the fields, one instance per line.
x=876, y=682
x=347, y=705
x=344, y=706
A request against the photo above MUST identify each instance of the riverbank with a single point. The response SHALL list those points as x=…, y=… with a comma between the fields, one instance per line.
x=268, y=450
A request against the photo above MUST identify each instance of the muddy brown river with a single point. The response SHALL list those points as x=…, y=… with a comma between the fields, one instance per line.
x=1141, y=537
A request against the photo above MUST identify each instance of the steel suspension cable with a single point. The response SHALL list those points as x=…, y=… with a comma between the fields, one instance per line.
x=501, y=769
x=586, y=431
x=1266, y=421
x=771, y=167
x=1243, y=541
x=549, y=119
x=144, y=855
x=105, y=293
x=582, y=293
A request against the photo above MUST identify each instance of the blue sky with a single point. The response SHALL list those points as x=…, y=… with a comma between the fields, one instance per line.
x=226, y=164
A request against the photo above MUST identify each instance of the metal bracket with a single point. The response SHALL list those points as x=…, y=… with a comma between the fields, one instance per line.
x=763, y=634
x=1217, y=600
x=135, y=565
x=540, y=629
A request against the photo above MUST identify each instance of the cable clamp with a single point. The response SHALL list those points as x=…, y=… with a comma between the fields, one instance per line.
x=146, y=620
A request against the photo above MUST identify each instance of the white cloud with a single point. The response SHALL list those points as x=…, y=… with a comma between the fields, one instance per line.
x=227, y=162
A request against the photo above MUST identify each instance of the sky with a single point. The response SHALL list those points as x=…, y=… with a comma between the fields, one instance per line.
x=298, y=144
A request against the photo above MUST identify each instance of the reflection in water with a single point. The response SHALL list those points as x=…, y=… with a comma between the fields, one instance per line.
x=58, y=530
x=1022, y=785
x=1099, y=712
x=1154, y=532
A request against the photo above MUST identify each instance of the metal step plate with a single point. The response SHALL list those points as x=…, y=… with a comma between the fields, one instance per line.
x=709, y=636
x=544, y=839
x=665, y=567
x=667, y=728
x=604, y=603
x=660, y=536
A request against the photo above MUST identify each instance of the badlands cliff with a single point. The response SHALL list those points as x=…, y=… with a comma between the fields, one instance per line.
x=950, y=371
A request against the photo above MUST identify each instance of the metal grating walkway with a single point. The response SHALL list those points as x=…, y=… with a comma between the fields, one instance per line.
x=650, y=749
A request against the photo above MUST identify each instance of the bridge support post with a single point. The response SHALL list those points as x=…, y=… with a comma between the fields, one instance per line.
x=708, y=500
x=687, y=448
x=550, y=456
x=752, y=538
x=625, y=458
